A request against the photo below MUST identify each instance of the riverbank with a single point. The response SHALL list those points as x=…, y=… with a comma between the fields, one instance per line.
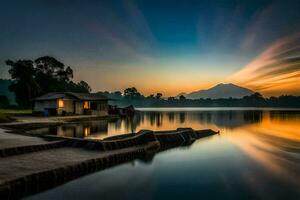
x=8, y=115
x=43, y=163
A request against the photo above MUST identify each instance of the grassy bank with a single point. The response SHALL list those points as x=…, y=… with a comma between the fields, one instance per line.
x=7, y=115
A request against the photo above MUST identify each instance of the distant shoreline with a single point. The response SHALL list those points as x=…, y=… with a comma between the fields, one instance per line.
x=213, y=108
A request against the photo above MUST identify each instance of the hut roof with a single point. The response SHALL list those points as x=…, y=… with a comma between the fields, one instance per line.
x=71, y=95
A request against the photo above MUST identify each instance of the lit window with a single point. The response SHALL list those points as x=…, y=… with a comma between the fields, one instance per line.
x=61, y=103
x=86, y=105
x=87, y=131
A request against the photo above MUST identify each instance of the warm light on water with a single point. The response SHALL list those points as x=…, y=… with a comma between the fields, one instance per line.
x=255, y=156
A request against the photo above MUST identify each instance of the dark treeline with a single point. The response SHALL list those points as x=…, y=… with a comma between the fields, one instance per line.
x=32, y=78
x=131, y=96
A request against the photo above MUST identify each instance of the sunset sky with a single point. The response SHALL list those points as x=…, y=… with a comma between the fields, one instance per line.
x=160, y=46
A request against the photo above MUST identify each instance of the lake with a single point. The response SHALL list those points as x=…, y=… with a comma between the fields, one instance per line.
x=255, y=156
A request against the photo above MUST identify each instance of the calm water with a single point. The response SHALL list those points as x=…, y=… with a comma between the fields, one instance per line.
x=256, y=156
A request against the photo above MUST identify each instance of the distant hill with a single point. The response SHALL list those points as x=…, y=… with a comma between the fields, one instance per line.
x=4, y=84
x=220, y=91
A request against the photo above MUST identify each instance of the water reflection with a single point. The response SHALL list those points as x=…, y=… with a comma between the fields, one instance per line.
x=266, y=136
x=157, y=120
x=78, y=130
x=256, y=156
x=166, y=120
x=274, y=143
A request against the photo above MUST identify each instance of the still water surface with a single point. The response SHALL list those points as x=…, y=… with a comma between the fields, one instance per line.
x=255, y=156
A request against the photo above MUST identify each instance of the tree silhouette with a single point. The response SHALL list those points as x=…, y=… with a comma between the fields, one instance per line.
x=45, y=74
x=24, y=84
x=52, y=75
x=158, y=95
x=131, y=93
x=254, y=100
x=84, y=86
x=3, y=101
x=182, y=98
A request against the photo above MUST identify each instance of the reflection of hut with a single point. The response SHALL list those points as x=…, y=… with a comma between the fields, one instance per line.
x=82, y=130
x=66, y=103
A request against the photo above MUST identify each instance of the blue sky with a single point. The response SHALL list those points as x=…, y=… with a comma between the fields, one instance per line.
x=158, y=46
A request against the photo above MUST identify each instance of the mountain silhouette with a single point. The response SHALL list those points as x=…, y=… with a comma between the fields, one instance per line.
x=219, y=91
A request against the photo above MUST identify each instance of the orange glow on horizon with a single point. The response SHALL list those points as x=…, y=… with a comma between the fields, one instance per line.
x=151, y=77
x=174, y=90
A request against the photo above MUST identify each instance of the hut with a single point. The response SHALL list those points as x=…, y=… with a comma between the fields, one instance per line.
x=70, y=103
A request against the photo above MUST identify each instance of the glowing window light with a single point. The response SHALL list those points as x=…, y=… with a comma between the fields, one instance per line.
x=61, y=103
x=87, y=131
x=86, y=105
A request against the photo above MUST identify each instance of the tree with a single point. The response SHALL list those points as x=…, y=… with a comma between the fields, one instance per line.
x=255, y=99
x=53, y=68
x=151, y=96
x=171, y=98
x=84, y=87
x=3, y=101
x=182, y=98
x=131, y=93
x=158, y=95
x=24, y=84
x=52, y=75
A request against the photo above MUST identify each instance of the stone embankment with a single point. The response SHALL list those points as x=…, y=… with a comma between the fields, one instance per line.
x=41, y=164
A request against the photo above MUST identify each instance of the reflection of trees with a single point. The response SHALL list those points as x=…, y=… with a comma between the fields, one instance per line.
x=117, y=124
x=253, y=116
x=285, y=115
x=133, y=122
x=229, y=119
x=226, y=119
x=182, y=117
x=159, y=120
x=130, y=123
x=222, y=119
x=155, y=118
x=171, y=116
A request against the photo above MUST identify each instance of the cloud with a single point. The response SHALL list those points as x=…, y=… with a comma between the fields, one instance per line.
x=276, y=70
